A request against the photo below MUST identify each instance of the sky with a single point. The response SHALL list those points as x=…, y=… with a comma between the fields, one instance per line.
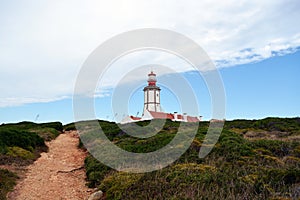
x=255, y=46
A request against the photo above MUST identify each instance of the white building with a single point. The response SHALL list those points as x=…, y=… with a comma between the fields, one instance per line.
x=152, y=108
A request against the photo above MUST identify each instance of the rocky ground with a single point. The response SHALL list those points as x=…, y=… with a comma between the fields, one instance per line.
x=58, y=174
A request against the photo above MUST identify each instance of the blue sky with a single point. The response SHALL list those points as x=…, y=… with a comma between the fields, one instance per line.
x=255, y=46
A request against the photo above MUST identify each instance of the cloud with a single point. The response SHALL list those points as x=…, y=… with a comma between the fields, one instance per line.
x=11, y=101
x=43, y=46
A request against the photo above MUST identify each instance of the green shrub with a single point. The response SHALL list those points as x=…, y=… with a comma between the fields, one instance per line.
x=7, y=182
x=19, y=152
x=70, y=127
x=55, y=125
x=46, y=133
x=24, y=139
x=291, y=125
x=117, y=183
x=280, y=177
x=233, y=146
x=95, y=171
x=278, y=148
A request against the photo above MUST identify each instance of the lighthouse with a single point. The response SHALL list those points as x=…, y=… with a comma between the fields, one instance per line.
x=152, y=109
x=152, y=94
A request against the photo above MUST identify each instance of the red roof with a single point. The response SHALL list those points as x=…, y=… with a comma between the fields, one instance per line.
x=135, y=118
x=192, y=119
x=179, y=116
x=161, y=115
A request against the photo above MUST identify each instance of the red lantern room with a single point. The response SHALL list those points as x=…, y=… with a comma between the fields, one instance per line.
x=152, y=79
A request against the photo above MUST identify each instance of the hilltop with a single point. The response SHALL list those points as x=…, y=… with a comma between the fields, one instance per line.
x=253, y=159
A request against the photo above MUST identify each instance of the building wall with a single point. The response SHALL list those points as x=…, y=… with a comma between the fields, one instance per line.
x=152, y=100
x=147, y=115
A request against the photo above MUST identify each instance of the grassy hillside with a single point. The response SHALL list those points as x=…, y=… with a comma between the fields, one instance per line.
x=253, y=159
x=21, y=144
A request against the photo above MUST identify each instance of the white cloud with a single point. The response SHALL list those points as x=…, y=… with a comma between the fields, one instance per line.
x=43, y=44
x=11, y=101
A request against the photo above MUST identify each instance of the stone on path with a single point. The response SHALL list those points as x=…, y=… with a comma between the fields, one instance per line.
x=96, y=196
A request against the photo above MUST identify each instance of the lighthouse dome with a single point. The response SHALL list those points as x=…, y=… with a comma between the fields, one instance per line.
x=152, y=77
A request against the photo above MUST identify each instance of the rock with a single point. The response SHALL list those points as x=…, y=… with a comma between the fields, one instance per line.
x=96, y=195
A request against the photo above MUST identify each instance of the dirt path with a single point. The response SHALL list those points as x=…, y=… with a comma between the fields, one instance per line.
x=57, y=174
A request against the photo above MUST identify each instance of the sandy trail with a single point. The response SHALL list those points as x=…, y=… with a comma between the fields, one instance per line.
x=57, y=174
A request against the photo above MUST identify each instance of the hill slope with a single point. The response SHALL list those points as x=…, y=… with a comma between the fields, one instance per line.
x=253, y=159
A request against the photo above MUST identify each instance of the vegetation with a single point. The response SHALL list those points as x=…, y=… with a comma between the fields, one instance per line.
x=239, y=166
x=47, y=131
x=7, y=182
x=253, y=159
x=69, y=127
x=21, y=144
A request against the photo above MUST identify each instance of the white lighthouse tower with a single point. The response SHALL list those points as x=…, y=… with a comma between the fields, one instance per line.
x=152, y=95
x=152, y=109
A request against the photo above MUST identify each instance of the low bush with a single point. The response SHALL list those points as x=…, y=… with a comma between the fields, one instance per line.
x=46, y=133
x=69, y=127
x=10, y=137
x=19, y=152
x=95, y=171
x=55, y=125
x=7, y=182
